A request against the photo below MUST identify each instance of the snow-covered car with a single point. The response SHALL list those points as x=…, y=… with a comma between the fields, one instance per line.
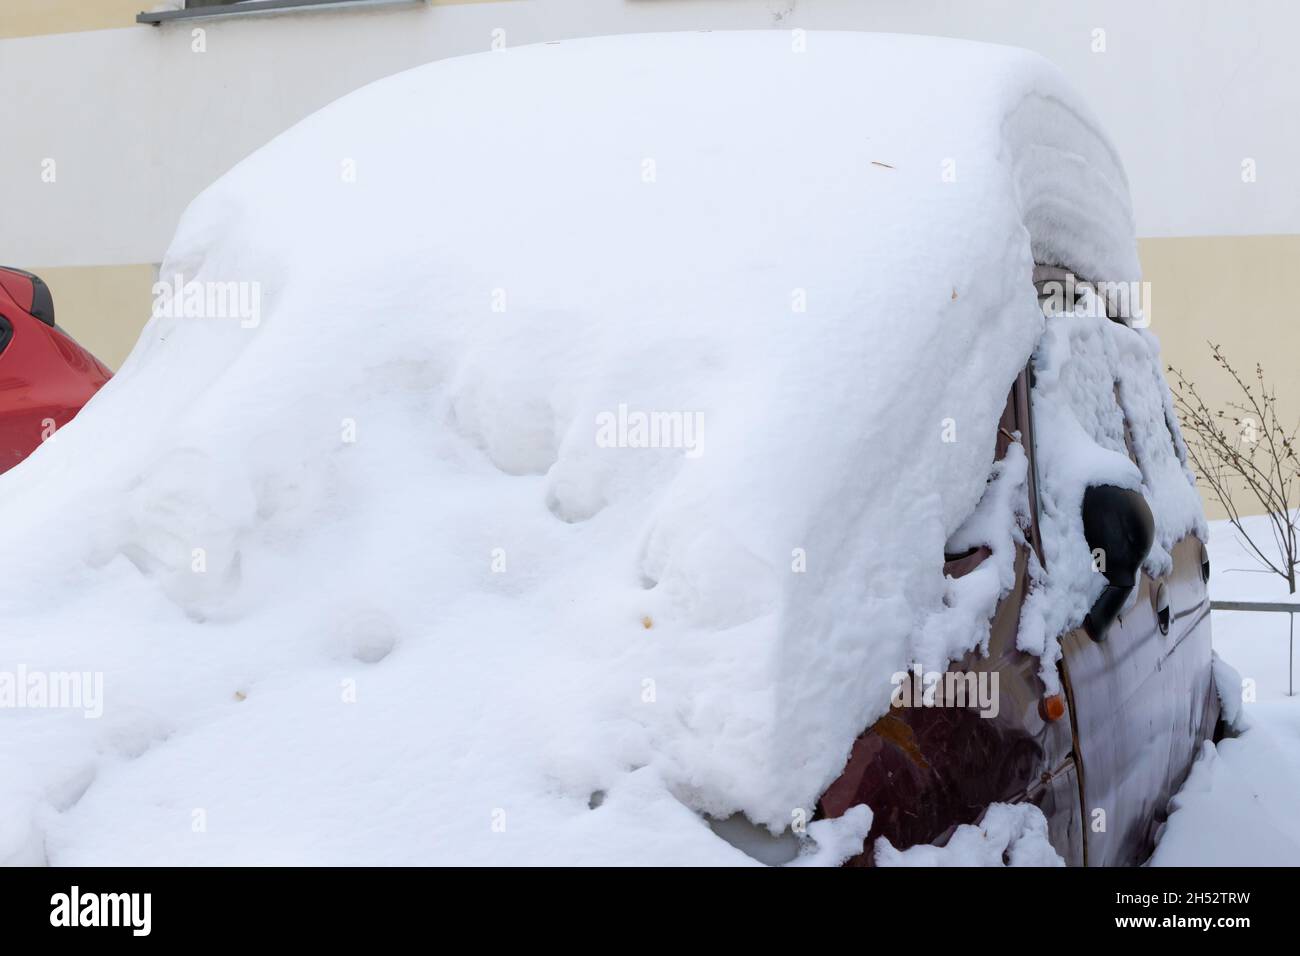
x=45, y=376
x=635, y=432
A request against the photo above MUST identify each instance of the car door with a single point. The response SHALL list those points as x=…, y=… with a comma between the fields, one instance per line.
x=925, y=771
x=1142, y=697
x=45, y=376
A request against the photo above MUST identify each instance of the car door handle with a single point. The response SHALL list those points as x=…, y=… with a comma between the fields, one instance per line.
x=960, y=565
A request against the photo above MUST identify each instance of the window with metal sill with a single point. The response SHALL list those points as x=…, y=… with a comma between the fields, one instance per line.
x=201, y=9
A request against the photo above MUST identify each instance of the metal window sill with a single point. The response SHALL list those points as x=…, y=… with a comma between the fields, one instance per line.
x=255, y=7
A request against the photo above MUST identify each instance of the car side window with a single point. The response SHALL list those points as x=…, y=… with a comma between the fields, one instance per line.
x=1103, y=392
x=1089, y=384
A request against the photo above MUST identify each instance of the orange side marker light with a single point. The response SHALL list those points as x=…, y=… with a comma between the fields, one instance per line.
x=1052, y=707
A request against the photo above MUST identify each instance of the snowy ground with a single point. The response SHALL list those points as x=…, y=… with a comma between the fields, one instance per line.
x=1238, y=806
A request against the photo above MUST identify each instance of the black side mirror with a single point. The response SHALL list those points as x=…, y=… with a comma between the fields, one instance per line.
x=1118, y=526
x=42, y=302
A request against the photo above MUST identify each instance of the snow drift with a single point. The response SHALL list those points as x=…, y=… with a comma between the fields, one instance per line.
x=364, y=580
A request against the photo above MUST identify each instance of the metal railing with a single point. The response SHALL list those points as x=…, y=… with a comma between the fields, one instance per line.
x=1279, y=607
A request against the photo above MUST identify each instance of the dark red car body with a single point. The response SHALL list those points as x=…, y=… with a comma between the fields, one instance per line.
x=1101, y=759
x=45, y=376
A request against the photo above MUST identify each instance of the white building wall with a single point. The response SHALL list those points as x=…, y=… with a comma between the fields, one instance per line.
x=137, y=122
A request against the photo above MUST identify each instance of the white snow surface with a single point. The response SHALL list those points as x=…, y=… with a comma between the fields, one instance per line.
x=436, y=642
x=1237, y=807
x=1007, y=835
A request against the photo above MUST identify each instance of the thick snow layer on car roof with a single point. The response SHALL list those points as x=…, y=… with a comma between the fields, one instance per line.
x=580, y=460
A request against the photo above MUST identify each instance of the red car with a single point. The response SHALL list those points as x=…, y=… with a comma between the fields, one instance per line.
x=45, y=376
